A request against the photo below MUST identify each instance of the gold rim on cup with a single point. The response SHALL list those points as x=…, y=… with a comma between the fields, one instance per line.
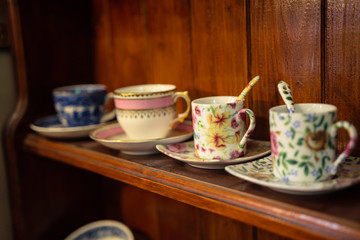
x=131, y=92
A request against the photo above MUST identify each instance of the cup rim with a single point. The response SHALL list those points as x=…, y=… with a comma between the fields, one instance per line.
x=207, y=100
x=160, y=89
x=318, y=108
x=68, y=90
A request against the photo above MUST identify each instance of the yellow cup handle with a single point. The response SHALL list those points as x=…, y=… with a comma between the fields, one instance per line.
x=181, y=117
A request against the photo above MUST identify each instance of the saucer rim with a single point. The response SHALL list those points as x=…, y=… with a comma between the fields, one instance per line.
x=51, y=129
x=216, y=161
x=98, y=224
x=113, y=125
x=320, y=187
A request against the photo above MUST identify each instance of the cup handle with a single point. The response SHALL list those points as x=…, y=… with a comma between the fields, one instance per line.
x=250, y=129
x=110, y=115
x=350, y=146
x=181, y=117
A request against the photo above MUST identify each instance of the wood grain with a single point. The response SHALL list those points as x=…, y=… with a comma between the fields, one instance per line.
x=121, y=48
x=285, y=45
x=161, y=218
x=103, y=44
x=287, y=215
x=67, y=200
x=168, y=53
x=342, y=64
x=215, y=226
x=44, y=57
x=169, y=50
x=208, y=48
x=219, y=47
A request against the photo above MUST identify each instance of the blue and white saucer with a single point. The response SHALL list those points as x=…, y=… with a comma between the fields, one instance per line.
x=102, y=230
x=51, y=127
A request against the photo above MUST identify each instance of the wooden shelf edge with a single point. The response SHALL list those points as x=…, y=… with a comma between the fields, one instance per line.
x=260, y=212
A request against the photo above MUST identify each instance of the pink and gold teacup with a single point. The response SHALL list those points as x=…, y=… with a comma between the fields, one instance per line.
x=148, y=111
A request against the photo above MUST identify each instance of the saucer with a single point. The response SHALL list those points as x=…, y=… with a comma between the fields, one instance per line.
x=102, y=230
x=185, y=152
x=260, y=172
x=51, y=127
x=113, y=136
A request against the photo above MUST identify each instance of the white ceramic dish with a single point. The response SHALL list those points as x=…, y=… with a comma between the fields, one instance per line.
x=260, y=172
x=185, y=152
x=51, y=127
x=113, y=136
x=102, y=230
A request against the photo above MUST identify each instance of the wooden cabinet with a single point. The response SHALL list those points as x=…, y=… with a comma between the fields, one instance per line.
x=205, y=47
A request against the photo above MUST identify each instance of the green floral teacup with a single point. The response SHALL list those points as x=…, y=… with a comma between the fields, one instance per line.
x=303, y=143
x=219, y=127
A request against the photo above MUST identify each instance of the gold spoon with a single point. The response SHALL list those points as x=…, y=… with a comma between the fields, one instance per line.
x=247, y=88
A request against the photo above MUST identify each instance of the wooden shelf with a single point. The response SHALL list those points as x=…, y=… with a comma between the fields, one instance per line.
x=335, y=215
x=208, y=48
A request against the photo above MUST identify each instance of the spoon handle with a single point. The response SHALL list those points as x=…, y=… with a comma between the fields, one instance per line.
x=286, y=95
x=247, y=88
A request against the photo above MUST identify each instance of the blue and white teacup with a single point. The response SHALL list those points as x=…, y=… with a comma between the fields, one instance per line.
x=82, y=105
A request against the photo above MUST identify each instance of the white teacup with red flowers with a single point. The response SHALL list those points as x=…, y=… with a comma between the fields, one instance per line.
x=219, y=127
x=303, y=143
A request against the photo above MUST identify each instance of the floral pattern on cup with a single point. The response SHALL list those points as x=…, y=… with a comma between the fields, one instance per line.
x=219, y=129
x=303, y=144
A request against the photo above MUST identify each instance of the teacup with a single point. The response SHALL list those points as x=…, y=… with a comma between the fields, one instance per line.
x=303, y=143
x=148, y=111
x=219, y=127
x=82, y=105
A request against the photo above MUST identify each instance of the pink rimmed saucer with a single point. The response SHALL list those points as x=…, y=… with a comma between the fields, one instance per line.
x=113, y=136
x=185, y=152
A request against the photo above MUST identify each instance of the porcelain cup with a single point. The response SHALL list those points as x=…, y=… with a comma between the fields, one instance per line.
x=219, y=127
x=303, y=143
x=82, y=105
x=148, y=111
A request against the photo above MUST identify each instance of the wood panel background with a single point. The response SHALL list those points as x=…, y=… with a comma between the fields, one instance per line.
x=215, y=47
x=285, y=45
x=208, y=47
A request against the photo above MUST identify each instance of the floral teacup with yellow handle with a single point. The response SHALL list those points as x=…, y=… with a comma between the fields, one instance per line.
x=219, y=127
x=303, y=143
